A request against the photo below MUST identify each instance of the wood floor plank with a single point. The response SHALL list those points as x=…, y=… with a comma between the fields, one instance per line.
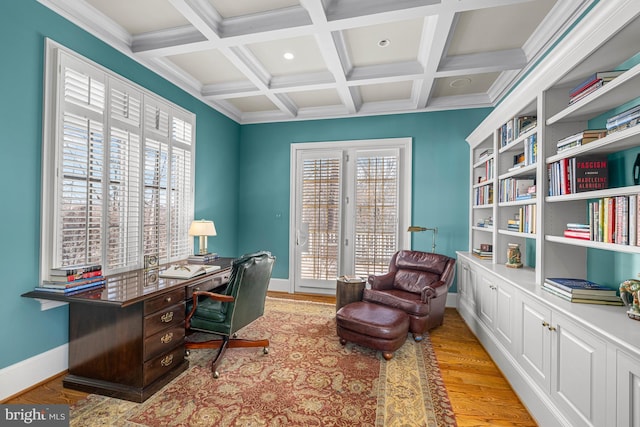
x=479, y=393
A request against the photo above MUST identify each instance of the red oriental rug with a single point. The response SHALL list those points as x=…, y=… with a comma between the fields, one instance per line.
x=307, y=379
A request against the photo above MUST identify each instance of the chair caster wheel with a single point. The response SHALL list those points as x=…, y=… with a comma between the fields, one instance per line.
x=265, y=350
x=216, y=375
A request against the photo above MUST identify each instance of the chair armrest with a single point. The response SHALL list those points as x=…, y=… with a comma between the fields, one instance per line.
x=212, y=295
x=382, y=282
x=431, y=291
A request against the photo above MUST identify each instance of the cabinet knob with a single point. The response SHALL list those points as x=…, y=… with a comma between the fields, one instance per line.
x=552, y=328
x=167, y=299
x=167, y=317
x=166, y=338
x=545, y=324
x=167, y=360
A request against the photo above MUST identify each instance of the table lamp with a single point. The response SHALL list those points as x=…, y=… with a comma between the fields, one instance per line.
x=202, y=228
x=415, y=229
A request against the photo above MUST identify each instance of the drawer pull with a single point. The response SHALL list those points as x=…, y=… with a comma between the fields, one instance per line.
x=167, y=317
x=167, y=338
x=168, y=360
x=167, y=299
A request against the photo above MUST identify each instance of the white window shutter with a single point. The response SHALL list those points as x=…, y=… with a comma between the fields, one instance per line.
x=377, y=210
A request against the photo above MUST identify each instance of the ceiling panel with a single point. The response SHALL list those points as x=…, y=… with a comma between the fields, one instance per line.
x=234, y=8
x=436, y=54
x=384, y=43
x=315, y=98
x=497, y=28
x=307, y=57
x=141, y=16
x=386, y=92
x=208, y=67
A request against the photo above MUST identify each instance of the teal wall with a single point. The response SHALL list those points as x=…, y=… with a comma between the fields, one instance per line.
x=440, y=175
x=24, y=24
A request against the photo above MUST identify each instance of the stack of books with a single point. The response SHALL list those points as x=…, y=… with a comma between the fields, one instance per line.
x=578, y=231
x=581, y=291
x=485, y=251
x=74, y=280
x=591, y=84
x=624, y=120
x=202, y=259
x=580, y=138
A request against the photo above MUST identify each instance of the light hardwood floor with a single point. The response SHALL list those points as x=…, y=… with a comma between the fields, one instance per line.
x=478, y=391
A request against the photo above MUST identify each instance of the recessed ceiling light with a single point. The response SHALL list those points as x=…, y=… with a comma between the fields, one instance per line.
x=289, y=56
x=384, y=42
x=460, y=82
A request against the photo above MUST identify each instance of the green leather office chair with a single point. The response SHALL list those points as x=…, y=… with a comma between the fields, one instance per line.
x=225, y=313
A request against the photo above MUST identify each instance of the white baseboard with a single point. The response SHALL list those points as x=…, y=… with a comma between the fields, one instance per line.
x=26, y=373
x=452, y=300
x=280, y=285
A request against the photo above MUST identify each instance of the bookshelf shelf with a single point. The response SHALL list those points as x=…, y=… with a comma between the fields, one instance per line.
x=608, y=97
x=595, y=245
x=518, y=234
x=611, y=143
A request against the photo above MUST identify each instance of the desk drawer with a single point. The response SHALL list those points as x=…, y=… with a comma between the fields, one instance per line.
x=160, y=365
x=163, y=341
x=165, y=300
x=169, y=317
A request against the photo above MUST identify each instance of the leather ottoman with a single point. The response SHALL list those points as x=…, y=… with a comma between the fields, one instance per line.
x=374, y=326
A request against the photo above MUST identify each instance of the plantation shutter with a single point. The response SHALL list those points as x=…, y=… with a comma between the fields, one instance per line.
x=377, y=210
x=321, y=193
x=117, y=170
x=180, y=201
x=124, y=207
x=80, y=165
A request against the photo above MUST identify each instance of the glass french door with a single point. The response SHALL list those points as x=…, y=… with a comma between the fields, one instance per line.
x=347, y=217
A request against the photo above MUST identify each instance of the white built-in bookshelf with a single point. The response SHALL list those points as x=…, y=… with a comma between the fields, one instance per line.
x=571, y=364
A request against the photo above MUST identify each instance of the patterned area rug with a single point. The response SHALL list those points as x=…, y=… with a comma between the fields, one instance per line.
x=307, y=379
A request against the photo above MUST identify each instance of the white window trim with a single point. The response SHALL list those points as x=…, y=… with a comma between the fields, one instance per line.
x=405, y=172
x=49, y=148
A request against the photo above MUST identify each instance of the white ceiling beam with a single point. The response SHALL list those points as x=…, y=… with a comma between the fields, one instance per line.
x=477, y=63
x=435, y=34
x=330, y=52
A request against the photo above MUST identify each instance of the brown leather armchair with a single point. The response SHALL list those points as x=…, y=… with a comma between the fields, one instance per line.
x=417, y=283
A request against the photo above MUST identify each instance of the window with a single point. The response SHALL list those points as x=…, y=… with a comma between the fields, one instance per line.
x=117, y=170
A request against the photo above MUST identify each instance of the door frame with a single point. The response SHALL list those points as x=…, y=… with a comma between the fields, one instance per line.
x=405, y=144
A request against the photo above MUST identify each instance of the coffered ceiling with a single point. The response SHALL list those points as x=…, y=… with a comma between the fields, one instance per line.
x=278, y=60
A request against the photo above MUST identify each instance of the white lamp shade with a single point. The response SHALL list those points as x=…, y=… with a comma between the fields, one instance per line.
x=202, y=228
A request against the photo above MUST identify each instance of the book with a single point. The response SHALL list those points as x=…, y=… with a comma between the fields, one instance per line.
x=584, y=299
x=591, y=173
x=72, y=290
x=579, y=286
x=187, y=271
x=77, y=276
x=593, y=79
x=75, y=270
x=578, y=234
x=53, y=284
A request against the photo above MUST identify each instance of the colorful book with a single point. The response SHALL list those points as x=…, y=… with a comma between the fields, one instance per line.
x=591, y=173
x=52, y=284
x=579, y=286
x=72, y=290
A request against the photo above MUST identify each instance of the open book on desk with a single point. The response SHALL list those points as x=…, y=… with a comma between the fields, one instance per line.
x=187, y=271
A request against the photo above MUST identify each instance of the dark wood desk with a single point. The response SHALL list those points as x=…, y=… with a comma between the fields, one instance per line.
x=126, y=340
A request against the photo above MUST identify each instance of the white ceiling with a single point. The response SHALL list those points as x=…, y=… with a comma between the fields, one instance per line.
x=440, y=54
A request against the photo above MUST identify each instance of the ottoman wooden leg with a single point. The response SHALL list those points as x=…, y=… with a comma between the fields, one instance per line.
x=387, y=355
x=343, y=341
